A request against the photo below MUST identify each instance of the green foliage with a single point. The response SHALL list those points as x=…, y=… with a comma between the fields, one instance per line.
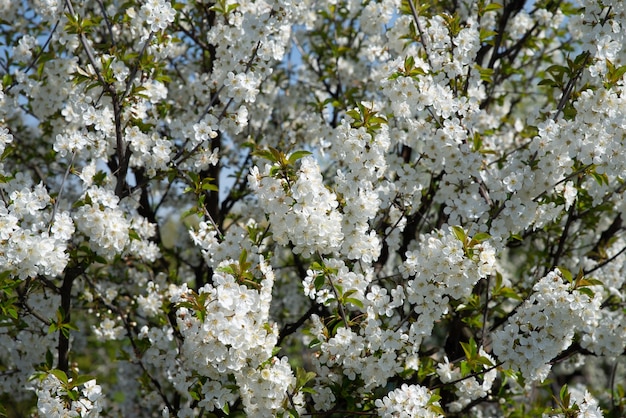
x=61, y=324
x=284, y=166
x=367, y=117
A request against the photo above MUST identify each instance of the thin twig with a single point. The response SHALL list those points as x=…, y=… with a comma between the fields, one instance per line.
x=342, y=312
x=107, y=22
x=421, y=33
x=36, y=57
x=58, y=198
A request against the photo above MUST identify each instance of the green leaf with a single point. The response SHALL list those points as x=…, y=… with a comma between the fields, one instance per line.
x=484, y=361
x=314, y=342
x=459, y=233
x=243, y=257
x=481, y=236
x=303, y=377
x=7, y=80
x=206, y=184
x=409, y=63
x=72, y=394
x=316, y=266
x=465, y=368
x=295, y=156
x=4, y=276
x=600, y=178
x=469, y=349
x=564, y=396
x=437, y=410
x=266, y=154
x=81, y=380
x=194, y=395
x=547, y=82
x=12, y=312
x=492, y=7
x=133, y=235
x=354, y=301
x=486, y=34
x=588, y=281
x=586, y=291
x=486, y=74
x=567, y=275
x=319, y=281
x=227, y=270
x=60, y=374
x=49, y=359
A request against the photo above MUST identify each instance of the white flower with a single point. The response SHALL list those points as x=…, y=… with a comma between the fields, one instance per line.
x=569, y=193
x=159, y=14
x=407, y=401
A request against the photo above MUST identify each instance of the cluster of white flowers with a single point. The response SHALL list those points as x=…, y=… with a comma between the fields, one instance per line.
x=348, y=281
x=233, y=337
x=543, y=326
x=32, y=242
x=103, y=223
x=372, y=354
x=604, y=332
x=459, y=141
x=24, y=51
x=149, y=151
x=150, y=304
x=314, y=214
x=53, y=400
x=205, y=237
x=587, y=405
x=362, y=158
x=242, y=87
x=158, y=14
x=26, y=347
x=603, y=37
x=307, y=216
x=439, y=270
x=199, y=143
x=100, y=118
x=108, y=329
x=142, y=246
x=69, y=143
x=410, y=401
x=468, y=388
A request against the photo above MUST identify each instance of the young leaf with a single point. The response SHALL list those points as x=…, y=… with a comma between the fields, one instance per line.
x=60, y=374
x=295, y=156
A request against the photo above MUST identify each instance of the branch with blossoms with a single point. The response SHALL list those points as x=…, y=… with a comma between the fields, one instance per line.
x=381, y=208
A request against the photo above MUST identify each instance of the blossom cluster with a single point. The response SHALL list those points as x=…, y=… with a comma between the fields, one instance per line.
x=469, y=388
x=279, y=208
x=54, y=401
x=230, y=339
x=33, y=242
x=444, y=268
x=407, y=401
x=362, y=156
x=307, y=215
x=106, y=227
x=552, y=313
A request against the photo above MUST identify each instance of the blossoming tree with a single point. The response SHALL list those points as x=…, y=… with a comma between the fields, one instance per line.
x=394, y=208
